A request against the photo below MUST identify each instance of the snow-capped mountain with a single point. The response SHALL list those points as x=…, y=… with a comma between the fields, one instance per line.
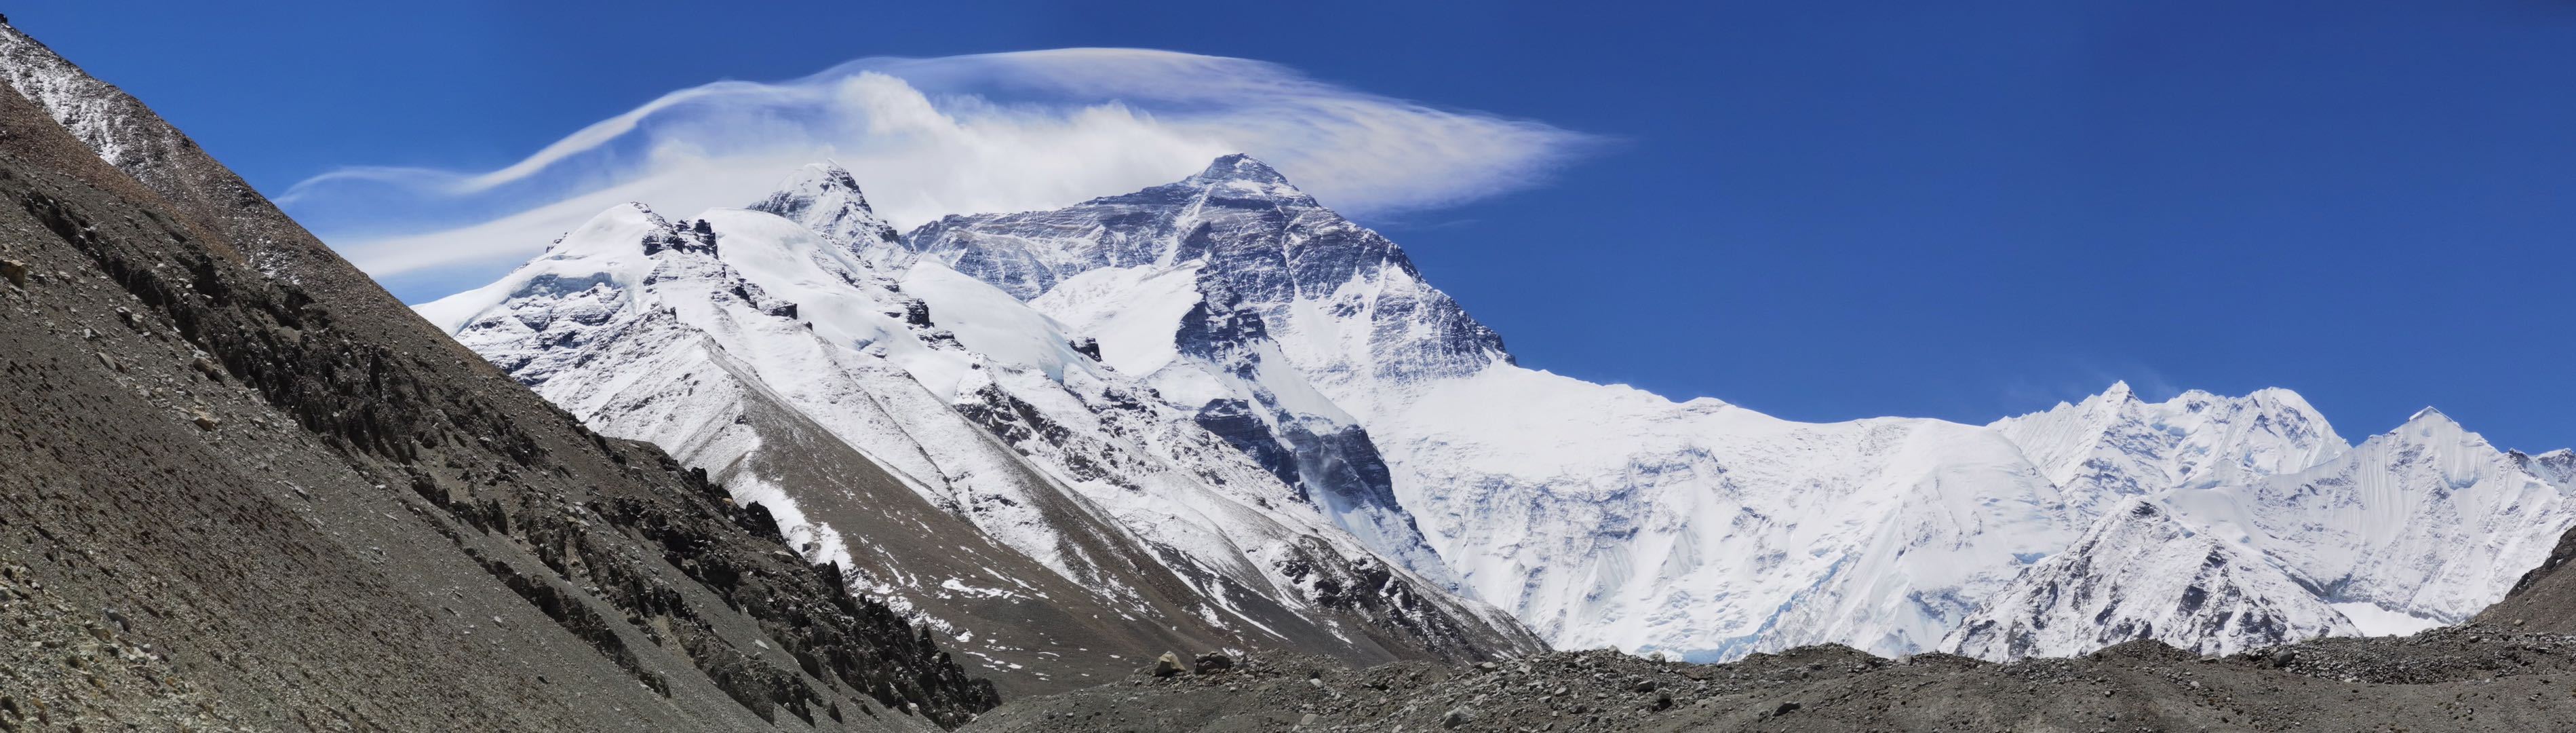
x=2140, y=574
x=783, y=357
x=2557, y=467
x=2428, y=520
x=2114, y=445
x=2422, y=526
x=826, y=200
x=1239, y=297
x=1204, y=372
x=1603, y=515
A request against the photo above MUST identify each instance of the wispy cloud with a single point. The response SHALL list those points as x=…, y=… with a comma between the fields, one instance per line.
x=931, y=137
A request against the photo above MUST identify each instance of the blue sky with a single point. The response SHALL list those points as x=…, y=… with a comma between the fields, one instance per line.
x=1819, y=210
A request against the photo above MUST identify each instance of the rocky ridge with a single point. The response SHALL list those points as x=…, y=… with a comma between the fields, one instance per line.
x=240, y=478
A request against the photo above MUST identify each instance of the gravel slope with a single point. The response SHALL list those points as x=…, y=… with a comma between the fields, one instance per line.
x=243, y=488
x=2456, y=679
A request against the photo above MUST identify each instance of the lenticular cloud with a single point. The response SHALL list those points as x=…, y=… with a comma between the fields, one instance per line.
x=931, y=137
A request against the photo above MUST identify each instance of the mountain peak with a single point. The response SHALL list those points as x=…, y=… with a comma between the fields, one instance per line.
x=819, y=180
x=1239, y=167
x=824, y=197
x=825, y=174
x=2429, y=426
x=2431, y=416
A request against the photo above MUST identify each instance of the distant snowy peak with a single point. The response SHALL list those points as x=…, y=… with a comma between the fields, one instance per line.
x=2428, y=519
x=2557, y=467
x=1240, y=176
x=2142, y=574
x=826, y=199
x=2114, y=444
x=2423, y=525
x=1239, y=167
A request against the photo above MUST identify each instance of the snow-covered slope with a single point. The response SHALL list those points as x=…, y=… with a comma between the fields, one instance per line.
x=1609, y=516
x=2557, y=467
x=718, y=336
x=2140, y=574
x=2422, y=526
x=2114, y=445
x=2428, y=520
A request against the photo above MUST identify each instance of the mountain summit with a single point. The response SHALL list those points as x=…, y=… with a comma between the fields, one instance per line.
x=825, y=198
x=1239, y=167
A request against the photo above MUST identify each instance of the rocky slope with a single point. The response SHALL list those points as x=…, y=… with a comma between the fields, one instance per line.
x=246, y=489
x=790, y=352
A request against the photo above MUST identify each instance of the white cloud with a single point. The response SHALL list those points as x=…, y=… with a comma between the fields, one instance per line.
x=931, y=137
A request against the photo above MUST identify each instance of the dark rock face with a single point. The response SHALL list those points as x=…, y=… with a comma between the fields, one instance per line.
x=698, y=239
x=1213, y=663
x=2544, y=599
x=1235, y=421
x=314, y=510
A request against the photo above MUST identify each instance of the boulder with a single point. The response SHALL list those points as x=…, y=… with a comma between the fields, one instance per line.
x=1214, y=662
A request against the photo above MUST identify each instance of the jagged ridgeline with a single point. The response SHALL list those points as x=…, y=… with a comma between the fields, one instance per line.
x=242, y=487
x=967, y=457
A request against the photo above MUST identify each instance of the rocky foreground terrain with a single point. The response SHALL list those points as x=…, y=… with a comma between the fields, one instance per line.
x=2466, y=678
x=2511, y=669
